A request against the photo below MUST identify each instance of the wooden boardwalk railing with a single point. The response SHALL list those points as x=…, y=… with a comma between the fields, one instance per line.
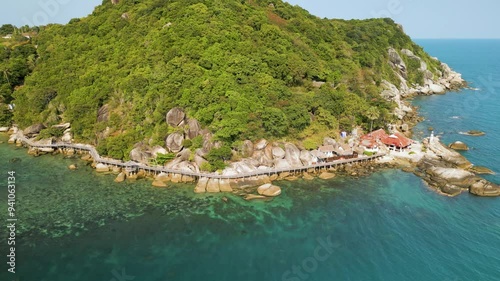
x=139, y=166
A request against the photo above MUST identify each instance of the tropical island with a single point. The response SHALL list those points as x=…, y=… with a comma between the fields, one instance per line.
x=226, y=88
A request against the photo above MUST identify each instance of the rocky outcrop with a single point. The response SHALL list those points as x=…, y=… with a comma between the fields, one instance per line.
x=213, y=186
x=247, y=148
x=140, y=154
x=175, y=117
x=193, y=128
x=225, y=186
x=101, y=168
x=307, y=158
x=485, y=188
x=450, y=156
x=33, y=129
x=458, y=145
x=260, y=145
x=163, y=177
x=201, y=186
x=326, y=176
x=269, y=190
x=396, y=60
x=157, y=183
x=174, y=142
x=478, y=170
x=154, y=151
x=103, y=113
x=121, y=177
x=278, y=152
x=292, y=155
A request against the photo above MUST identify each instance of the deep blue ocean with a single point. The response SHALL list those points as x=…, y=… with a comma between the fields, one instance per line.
x=81, y=226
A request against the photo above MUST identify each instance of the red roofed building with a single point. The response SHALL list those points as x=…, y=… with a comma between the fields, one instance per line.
x=397, y=141
x=372, y=140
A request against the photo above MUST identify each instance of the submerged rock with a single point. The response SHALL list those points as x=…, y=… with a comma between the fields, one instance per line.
x=475, y=133
x=121, y=177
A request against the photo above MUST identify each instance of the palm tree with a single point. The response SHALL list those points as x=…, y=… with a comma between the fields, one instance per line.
x=373, y=114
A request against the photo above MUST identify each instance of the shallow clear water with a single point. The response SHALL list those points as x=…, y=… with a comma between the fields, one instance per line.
x=78, y=225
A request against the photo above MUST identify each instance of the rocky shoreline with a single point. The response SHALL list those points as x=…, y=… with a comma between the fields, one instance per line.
x=442, y=168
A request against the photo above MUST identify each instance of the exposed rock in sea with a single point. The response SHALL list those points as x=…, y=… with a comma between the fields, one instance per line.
x=201, y=186
x=101, y=168
x=163, y=177
x=158, y=183
x=447, y=154
x=250, y=197
x=224, y=185
x=326, y=175
x=213, y=186
x=307, y=176
x=481, y=170
x=72, y=167
x=121, y=177
x=175, y=116
x=475, y=133
x=269, y=190
x=485, y=188
x=458, y=145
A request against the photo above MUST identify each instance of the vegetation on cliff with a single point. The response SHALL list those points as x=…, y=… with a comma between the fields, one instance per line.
x=245, y=69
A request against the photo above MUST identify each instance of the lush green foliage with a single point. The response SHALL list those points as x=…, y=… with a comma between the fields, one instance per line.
x=161, y=158
x=217, y=157
x=242, y=68
x=50, y=132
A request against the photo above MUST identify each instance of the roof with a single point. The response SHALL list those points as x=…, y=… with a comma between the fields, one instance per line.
x=398, y=140
x=375, y=135
x=344, y=150
x=326, y=148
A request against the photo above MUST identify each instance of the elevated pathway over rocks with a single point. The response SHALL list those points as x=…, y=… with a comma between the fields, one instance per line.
x=131, y=166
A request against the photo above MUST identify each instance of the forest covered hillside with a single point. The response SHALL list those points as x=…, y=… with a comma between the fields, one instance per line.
x=245, y=69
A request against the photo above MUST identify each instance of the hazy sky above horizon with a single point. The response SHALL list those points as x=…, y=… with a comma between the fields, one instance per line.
x=420, y=18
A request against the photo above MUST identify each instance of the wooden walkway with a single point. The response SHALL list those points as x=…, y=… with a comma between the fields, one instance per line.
x=134, y=166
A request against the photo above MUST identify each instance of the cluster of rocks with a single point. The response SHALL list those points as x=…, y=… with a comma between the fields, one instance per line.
x=434, y=83
x=450, y=173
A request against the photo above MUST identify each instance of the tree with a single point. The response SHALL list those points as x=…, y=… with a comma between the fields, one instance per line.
x=373, y=114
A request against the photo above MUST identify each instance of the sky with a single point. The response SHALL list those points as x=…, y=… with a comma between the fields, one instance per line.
x=420, y=18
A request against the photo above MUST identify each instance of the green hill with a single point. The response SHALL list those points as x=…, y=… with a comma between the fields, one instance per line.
x=245, y=69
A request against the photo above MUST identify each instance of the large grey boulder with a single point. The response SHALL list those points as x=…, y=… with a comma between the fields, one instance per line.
x=260, y=145
x=175, y=116
x=396, y=60
x=33, y=129
x=193, y=128
x=278, y=152
x=281, y=164
x=447, y=154
x=269, y=190
x=140, y=154
x=158, y=150
x=329, y=141
x=174, y=142
x=306, y=158
x=292, y=155
x=247, y=148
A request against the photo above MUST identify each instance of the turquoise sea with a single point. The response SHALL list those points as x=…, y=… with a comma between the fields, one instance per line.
x=81, y=226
